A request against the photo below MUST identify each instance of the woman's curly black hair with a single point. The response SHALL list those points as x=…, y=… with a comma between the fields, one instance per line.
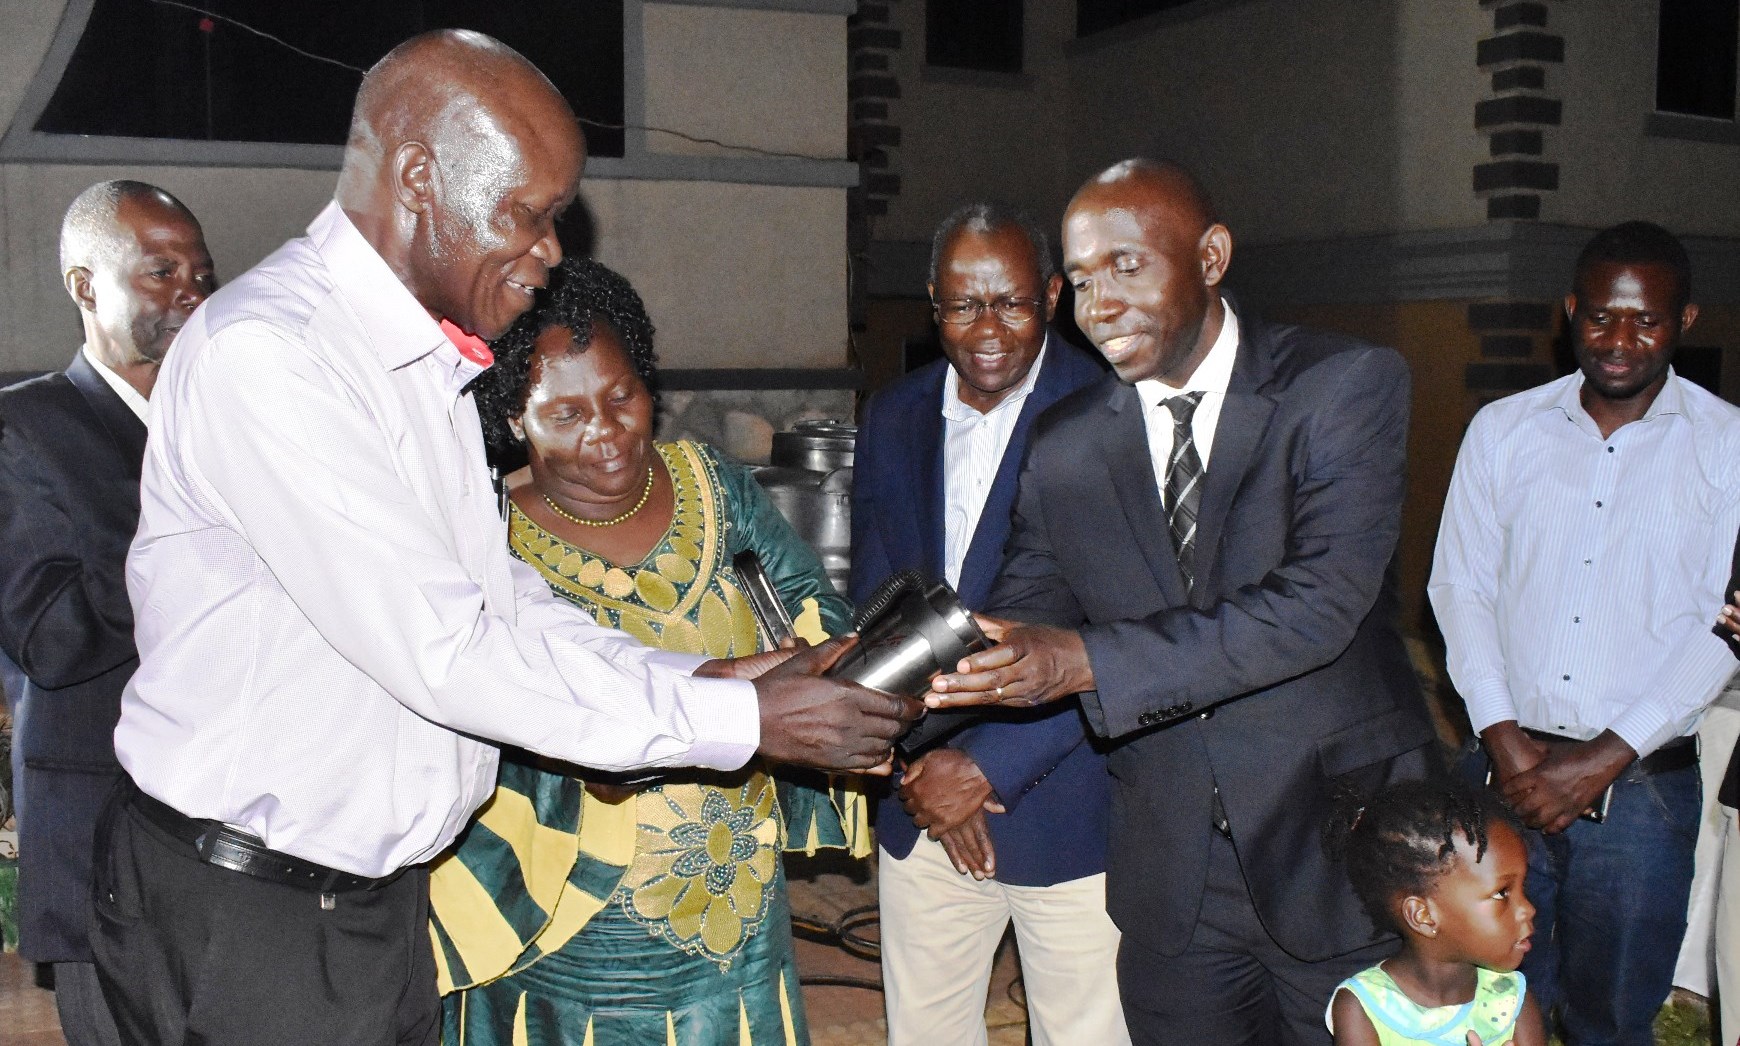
x=1404, y=838
x=582, y=292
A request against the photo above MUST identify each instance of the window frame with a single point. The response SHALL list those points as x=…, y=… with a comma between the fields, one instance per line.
x=1667, y=123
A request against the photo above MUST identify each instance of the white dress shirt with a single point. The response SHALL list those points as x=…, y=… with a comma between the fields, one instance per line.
x=973, y=446
x=1576, y=579
x=136, y=403
x=1210, y=378
x=328, y=618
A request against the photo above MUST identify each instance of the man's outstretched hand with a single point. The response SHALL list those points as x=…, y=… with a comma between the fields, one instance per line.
x=829, y=724
x=1029, y=665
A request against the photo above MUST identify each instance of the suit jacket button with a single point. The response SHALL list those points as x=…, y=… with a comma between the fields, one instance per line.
x=1207, y=713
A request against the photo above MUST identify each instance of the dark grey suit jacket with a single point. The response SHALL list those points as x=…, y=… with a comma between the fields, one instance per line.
x=70, y=452
x=1282, y=676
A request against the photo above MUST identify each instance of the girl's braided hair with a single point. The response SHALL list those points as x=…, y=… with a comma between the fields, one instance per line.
x=1401, y=840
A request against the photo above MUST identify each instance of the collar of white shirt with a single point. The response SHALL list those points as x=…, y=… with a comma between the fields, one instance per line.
x=1211, y=378
x=954, y=410
x=1670, y=400
x=400, y=329
x=1212, y=375
x=136, y=403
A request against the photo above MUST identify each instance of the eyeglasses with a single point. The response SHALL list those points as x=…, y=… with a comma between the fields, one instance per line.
x=1012, y=311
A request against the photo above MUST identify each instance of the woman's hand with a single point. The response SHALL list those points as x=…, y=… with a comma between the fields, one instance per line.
x=1729, y=617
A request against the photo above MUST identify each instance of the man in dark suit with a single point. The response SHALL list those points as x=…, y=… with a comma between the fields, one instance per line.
x=1202, y=547
x=135, y=263
x=1016, y=809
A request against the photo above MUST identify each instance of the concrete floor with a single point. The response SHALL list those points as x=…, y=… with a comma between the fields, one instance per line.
x=821, y=891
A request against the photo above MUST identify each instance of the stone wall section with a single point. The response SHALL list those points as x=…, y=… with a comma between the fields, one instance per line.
x=1518, y=109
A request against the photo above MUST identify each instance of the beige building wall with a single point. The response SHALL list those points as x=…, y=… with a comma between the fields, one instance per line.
x=969, y=135
x=1361, y=121
x=740, y=256
x=1310, y=119
x=1610, y=167
x=775, y=80
x=1436, y=86
x=733, y=275
x=1305, y=150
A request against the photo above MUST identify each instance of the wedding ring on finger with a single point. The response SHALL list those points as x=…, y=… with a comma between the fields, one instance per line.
x=999, y=692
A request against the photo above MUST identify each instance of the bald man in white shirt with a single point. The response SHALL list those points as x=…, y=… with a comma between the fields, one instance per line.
x=330, y=625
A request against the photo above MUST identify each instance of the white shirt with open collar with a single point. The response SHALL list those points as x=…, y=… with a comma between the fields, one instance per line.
x=328, y=617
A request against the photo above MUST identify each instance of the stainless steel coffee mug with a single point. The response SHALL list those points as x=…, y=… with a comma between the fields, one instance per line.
x=911, y=629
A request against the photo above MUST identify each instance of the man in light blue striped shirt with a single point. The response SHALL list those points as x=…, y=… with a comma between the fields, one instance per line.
x=1583, y=552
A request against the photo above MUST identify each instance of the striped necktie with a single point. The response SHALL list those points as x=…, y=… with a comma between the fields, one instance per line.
x=1183, y=484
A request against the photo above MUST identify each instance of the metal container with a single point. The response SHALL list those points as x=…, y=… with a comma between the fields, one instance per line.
x=810, y=482
x=819, y=446
x=919, y=632
x=910, y=629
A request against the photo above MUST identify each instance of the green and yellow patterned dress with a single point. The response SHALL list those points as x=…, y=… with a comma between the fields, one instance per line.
x=1400, y=1021
x=660, y=920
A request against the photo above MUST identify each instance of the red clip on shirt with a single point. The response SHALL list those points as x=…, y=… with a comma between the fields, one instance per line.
x=470, y=346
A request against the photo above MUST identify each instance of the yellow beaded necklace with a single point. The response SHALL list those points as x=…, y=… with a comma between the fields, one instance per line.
x=613, y=521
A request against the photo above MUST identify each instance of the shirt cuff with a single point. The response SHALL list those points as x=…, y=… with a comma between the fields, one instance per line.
x=1645, y=729
x=727, y=720
x=1488, y=703
x=684, y=663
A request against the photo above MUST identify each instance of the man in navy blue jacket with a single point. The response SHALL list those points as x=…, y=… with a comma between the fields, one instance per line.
x=1016, y=807
x=134, y=261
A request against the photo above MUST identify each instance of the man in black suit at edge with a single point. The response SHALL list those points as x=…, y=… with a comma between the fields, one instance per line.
x=135, y=263
x=1211, y=574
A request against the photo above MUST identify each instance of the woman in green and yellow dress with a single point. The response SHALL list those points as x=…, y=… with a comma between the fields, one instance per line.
x=584, y=911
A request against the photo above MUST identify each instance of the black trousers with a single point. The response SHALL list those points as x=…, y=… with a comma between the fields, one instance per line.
x=84, y=1015
x=1233, y=985
x=191, y=953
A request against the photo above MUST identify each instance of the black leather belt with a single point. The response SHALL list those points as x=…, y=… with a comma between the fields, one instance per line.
x=1677, y=754
x=218, y=844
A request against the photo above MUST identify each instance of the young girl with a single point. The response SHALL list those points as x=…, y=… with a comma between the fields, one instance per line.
x=1445, y=866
